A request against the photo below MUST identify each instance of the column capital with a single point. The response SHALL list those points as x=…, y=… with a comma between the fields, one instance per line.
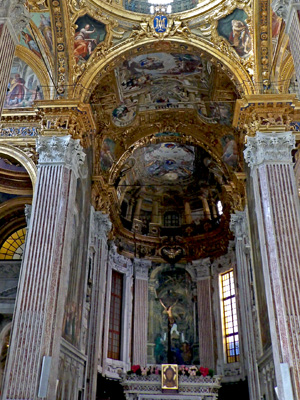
x=141, y=268
x=16, y=13
x=202, y=268
x=55, y=150
x=102, y=225
x=239, y=223
x=281, y=8
x=269, y=148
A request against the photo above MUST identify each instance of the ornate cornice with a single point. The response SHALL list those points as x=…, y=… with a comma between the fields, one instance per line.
x=269, y=148
x=62, y=150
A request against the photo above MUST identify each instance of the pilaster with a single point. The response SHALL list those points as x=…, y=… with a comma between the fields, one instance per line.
x=289, y=11
x=100, y=227
x=140, y=316
x=38, y=320
x=239, y=226
x=277, y=208
x=205, y=312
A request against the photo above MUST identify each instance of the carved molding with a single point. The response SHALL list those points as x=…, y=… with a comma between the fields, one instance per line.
x=264, y=148
x=63, y=150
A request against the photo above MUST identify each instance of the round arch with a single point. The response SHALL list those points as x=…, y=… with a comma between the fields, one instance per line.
x=92, y=75
x=149, y=138
x=23, y=159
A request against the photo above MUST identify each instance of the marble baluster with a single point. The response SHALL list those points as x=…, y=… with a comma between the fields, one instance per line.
x=278, y=217
x=38, y=319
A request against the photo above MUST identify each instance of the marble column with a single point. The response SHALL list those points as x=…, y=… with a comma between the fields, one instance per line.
x=205, y=312
x=239, y=226
x=290, y=10
x=13, y=19
x=278, y=217
x=37, y=324
x=140, y=316
x=100, y=226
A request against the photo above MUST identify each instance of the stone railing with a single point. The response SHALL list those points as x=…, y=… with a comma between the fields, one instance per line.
x=189, y=388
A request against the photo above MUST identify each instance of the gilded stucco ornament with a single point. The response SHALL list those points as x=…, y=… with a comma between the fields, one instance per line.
x=266, y=113
x=146, y=28
x=37, y=5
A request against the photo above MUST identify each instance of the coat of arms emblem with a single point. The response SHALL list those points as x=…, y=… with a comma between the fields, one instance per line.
x=160, y=23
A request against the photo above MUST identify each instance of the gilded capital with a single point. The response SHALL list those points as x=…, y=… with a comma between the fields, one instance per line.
x=64, y=150
x=269, y=148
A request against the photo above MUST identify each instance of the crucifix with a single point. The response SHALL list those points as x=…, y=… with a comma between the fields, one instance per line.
x=171, y=322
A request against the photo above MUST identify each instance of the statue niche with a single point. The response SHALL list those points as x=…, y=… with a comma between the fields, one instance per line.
x=172, y=333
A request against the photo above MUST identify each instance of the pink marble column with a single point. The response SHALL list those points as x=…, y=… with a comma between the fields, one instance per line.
x=278, y=217
x=100, y=227
x=239, y=226
x=39, y=311
x=13, y=18
x=140, y=316
x=205, y=315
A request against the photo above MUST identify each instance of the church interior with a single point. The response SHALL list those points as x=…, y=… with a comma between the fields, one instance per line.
x=149, y=199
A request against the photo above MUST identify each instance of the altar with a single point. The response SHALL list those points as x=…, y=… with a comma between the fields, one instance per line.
x=189, y=388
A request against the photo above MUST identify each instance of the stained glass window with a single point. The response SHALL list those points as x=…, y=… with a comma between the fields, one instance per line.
x=231, y=334
x=115, y=316
x=12, y=248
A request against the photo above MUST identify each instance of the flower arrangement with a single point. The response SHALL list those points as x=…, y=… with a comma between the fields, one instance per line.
x=183, y=370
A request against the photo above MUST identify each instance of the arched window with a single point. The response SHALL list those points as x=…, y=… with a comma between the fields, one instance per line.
x=171, y=218
x=12, y=248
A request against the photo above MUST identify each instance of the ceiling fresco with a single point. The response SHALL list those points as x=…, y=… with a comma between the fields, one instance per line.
x=88, y=34
x=160, y=80
x=143, y=6
x=166, y=161
x=24, y=86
